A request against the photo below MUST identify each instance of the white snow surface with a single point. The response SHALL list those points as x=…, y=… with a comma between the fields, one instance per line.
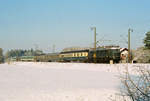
x=29, y=81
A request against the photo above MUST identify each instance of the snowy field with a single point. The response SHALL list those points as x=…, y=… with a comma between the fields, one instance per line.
x=60, y=81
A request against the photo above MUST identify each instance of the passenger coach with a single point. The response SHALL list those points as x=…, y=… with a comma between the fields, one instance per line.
x=74, y=56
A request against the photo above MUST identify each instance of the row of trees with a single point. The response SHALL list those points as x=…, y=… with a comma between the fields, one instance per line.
x=20, y=52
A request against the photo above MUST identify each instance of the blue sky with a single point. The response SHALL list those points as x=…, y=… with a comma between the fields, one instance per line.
x=65, y=23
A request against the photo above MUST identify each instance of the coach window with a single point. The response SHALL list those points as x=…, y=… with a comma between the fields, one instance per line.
x=79, y=54
x=84, y=53
x=72, y=54
x=76, y=54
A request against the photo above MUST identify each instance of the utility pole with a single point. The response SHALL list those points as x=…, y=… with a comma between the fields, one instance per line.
x=54, y=48
x=36, y=46
x=94, y=55
x=129, y=53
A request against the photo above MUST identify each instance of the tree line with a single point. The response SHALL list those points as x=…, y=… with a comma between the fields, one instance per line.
x=21, y=52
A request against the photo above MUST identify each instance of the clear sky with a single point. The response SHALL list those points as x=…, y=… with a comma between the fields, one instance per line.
x=25, y=24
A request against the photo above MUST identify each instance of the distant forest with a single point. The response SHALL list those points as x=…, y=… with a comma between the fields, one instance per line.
x=21, y=52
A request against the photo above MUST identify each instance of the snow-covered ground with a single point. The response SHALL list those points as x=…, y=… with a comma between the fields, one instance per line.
x=30, y=81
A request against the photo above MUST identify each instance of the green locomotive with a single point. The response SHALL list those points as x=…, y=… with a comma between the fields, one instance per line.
x=104, y=55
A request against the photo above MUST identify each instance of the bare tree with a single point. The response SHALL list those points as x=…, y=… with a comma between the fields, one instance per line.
x=136, y=86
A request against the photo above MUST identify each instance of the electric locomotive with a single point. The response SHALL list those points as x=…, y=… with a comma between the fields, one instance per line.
x=103, y=55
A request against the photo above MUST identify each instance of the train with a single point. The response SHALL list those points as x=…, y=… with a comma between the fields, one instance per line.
x=101, y=55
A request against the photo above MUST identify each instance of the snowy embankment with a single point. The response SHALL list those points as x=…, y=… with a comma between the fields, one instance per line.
x=60, y=81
